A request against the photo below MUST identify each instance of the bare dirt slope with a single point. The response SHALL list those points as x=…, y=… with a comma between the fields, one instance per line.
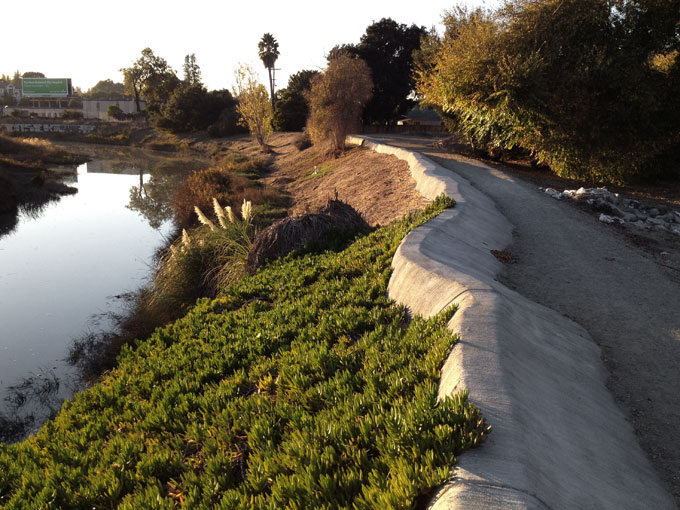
x=380, y=187
x=626, y=296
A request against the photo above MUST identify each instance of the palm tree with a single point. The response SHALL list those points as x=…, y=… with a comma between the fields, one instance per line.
x=269, y=52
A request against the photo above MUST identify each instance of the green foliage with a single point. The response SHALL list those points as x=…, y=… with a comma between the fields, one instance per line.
x=253, y=107
x=198, y=263
x=387, y=47
x=106, y=89
x=152, y=78
x=290, y=108
x=193, y=108
x=115, y=112
x=574, y=83
x=192, y=72
x=300, y=387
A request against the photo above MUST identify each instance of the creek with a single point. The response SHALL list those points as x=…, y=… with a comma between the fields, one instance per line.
x=68, y=268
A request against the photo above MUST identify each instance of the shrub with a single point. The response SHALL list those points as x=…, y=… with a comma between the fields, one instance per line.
x=336, y=99
x=72, y=115
x=115, y=112
x=303, y=141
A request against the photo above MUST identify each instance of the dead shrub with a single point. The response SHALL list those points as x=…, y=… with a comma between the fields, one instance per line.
x=303, y=141
x=230, y=185
x=336, y=99
x=335, y=220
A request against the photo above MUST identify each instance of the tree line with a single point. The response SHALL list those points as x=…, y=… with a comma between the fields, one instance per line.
x=589, y=87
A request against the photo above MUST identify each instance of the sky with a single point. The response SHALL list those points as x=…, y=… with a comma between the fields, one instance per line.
x=87, y=43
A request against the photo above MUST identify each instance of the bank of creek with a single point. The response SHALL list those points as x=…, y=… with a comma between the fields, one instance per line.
x=68, y=267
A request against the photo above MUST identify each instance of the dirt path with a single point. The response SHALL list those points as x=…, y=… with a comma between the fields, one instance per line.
x=379, y=186
x=566, y=259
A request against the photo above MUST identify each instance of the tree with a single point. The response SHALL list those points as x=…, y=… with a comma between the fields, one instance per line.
x=192, y=73
x=254, y=106
x=291, y=109
x=193, y=108
x=576, y=84
x=33, y=74
x=106, y=89
x=336, y=99
x=152, y=78
x=387, y=47
x=269, y=52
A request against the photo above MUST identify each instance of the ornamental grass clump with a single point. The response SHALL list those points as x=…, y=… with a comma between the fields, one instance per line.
x=198, y=264
x=302, y=386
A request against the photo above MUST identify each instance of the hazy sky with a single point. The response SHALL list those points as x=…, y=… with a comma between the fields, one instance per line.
x=79, y=39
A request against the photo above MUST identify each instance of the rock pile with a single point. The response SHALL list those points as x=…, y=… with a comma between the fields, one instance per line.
x=614, y=208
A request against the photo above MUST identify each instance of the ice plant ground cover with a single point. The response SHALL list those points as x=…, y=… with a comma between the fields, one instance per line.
x=302, y=386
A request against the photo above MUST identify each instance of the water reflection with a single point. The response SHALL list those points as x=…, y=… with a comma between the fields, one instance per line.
x=64, y=273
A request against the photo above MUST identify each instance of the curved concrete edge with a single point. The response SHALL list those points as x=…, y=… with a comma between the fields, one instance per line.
x=558, y=441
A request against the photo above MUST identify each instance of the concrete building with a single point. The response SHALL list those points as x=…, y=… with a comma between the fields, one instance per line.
x=98, y=108
x=8, y=88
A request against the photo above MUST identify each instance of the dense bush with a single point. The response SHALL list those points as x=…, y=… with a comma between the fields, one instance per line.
x=193, y=108
x=300, y=387
x=589, y=87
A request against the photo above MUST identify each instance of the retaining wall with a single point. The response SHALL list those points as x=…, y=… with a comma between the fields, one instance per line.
x=559, y=441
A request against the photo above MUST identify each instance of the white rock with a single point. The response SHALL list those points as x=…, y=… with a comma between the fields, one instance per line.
x=610, y=219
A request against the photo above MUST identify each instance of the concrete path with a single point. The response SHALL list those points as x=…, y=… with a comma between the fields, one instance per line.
x=559, y=441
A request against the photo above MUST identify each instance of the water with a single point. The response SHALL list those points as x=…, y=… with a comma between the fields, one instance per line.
x=63, y=271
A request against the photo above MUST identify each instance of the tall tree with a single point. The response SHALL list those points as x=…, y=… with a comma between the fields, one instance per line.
x=152, y=78
x=269, y=52
x=387, y=47
x=192, y=73
x=291, y=109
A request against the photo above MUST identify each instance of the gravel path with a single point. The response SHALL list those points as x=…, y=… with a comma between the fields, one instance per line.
x=630, y=304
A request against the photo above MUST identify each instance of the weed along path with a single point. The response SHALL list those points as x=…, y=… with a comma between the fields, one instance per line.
x=559, y=440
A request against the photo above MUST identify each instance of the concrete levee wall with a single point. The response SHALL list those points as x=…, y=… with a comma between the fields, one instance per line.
x=558, y=440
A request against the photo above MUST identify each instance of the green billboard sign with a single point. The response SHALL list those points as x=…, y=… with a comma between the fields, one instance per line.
x=45, y=87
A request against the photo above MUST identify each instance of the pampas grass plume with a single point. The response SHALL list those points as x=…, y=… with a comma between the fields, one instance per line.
x=204, y=219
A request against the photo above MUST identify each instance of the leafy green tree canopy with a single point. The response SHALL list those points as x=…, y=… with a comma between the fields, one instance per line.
x=152, y=78
x=106, y=89
x=387, y=47
x=290, y=108
x=193, y=108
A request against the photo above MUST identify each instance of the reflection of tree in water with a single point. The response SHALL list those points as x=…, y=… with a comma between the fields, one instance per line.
x=153, y=198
